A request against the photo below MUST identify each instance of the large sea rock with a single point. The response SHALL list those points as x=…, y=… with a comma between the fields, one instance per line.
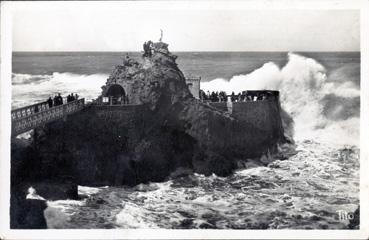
x=169, y=131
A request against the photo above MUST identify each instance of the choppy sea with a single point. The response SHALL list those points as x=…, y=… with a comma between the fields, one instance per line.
x=321, y=91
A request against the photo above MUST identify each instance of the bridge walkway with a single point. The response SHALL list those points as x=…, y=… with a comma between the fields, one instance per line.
x=36, y=115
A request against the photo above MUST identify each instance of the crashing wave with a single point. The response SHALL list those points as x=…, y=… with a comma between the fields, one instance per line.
x=306, y=89
x=28, y=88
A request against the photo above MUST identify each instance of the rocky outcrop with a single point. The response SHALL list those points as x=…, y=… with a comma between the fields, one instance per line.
x=29, y=170
x=168, y=130
x=216, y=137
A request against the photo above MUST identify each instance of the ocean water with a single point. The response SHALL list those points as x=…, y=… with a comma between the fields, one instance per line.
x=321, y=91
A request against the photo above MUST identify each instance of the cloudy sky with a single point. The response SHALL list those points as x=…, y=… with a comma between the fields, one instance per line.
x=188, y=26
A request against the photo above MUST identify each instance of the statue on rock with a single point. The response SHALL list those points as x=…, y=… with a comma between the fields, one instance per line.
x=161, y=35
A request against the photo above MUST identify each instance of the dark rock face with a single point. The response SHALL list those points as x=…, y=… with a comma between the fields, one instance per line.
x=26, y=213
x=169, y=130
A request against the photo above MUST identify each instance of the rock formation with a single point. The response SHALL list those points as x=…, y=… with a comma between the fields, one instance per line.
x=217, y=138
x=168, y=130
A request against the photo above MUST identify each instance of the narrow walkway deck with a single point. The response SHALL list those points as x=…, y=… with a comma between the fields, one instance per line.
x=36, y=115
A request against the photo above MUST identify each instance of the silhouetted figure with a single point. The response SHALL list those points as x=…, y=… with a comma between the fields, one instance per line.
x=50, y=102
x=145, y=49
x=59, y=99
x=202, y=95
x=233, y=97
x=36, y=108
x=126, y=60
x=76, y=95
x=149, y=48
x=56, y=100
x=213, y=96
x=216, y=97
x=223, y=96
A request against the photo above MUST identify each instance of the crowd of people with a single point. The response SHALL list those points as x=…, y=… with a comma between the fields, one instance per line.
x=240, y=97
x=58, y=99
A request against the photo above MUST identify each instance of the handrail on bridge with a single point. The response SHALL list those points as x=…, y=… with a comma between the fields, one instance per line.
x=29, y=110
x=30, y=117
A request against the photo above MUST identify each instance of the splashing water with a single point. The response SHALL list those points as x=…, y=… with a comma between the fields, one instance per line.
x=303, y=192
x=303, y=84
x=28, y=89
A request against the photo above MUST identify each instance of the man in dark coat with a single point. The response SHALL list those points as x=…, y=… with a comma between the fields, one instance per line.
x=56, y=100
x=50, y=102
x=60, y=99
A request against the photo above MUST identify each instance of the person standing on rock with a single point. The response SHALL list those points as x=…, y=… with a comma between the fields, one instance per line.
x=145, y=49
x=149, y=48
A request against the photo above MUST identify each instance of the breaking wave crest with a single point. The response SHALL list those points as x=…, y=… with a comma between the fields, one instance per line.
x=28, y=88
x=323, y=105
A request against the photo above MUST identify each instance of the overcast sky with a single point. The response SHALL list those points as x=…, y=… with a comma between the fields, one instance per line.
x=124, y=26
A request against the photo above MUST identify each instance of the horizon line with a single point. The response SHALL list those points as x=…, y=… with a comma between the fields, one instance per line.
x=276, y=51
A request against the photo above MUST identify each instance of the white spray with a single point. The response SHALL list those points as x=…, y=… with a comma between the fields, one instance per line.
x=302, y=83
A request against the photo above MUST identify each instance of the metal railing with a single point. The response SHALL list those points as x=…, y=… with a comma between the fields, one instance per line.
x=30, y=117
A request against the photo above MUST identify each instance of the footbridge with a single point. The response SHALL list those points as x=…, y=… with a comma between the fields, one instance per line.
x=37, y=115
